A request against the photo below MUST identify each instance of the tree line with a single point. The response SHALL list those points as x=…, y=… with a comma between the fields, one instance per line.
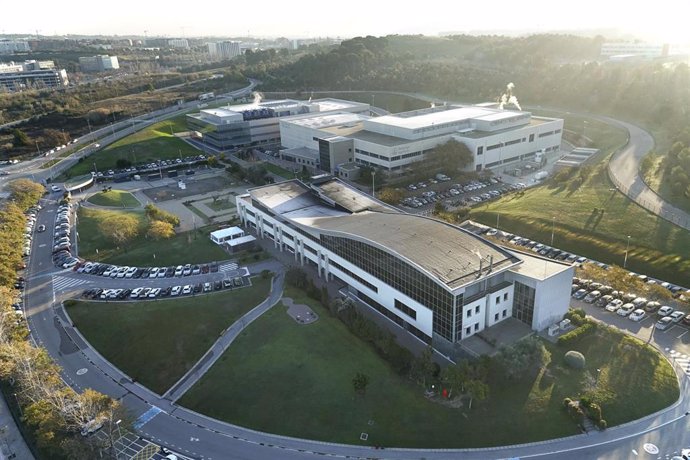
x=53, y=412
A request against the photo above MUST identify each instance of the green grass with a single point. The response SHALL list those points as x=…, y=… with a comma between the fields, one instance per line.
x=114, y=198
x=593, y=220
x=150, y=144
x=279, y=171
x=156, y=342
x=304, y=374
x=221, y=205
x=183, y=248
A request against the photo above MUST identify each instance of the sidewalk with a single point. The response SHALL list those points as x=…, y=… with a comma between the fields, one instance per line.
x=12, y=443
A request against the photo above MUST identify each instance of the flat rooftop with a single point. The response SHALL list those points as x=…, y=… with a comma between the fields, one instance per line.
x=321, y=121
x=538, y=267
x=381, y=139
x=448, y=253
x=410, y=120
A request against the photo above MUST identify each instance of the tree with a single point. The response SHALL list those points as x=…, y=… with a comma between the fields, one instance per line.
x=159, y=230
x=360, y=382
x=25, y=192
x=119, y=228
x=423, y=367
x=476, y=389
x=390, y=195
x=452, y=156
x=155, y=213
x=54, y=137
x=20, y=138
x=523, y=358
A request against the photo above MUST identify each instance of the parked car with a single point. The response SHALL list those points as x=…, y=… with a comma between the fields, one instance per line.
x=677, y=316
x=652, y=306
x=175, y=290
x=625, y=309
x=187, y=289
x=638, y=315
x=665, y=311
x=686, y=320
x=603, y=301
x=592, y=296
x=664, y=323
x=580, y=294
x=614, y=305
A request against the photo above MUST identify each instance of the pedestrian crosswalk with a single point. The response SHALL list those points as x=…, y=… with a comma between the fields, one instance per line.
x=61, y=283
x=228, y=266
x=146, y=417
x=681, y=360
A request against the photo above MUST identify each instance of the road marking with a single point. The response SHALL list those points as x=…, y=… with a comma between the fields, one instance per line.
x=226, y=267
x=650, y=448
x=634, y=451
x=682, y=334
x=146, y=417
x=82, y=371
x=42, y=245
x=63, y=282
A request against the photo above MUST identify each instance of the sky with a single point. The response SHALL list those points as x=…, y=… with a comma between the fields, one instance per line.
x=659, y=20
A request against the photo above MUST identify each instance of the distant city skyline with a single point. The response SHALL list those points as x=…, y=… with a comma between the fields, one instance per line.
x=661, y=21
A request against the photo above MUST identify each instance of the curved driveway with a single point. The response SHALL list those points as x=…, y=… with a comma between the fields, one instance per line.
x=624, y=170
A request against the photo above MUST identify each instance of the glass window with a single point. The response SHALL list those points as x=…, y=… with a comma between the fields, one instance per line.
x=476, y=309
x=498, y=299
x=476, y=327
x=496, y=317
x=523, y=303
x=505, y=296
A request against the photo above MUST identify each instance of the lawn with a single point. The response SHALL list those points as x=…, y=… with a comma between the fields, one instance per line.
x=188, y=247
x=221, y=204
x=279, y=171
x=157, y=341
x=114, y=198
x=593, y=219
x=304, y=373
x=150, y=144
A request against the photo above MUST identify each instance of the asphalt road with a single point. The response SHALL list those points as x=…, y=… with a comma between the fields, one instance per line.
x=624, y=169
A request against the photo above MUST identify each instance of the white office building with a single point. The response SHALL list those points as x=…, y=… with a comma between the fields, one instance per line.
x=258, y=123
x=101, y=63
x=498, y=138
x=31, y=75
x=438, y=281
x=178, y=43
x=637, y=49
x=14, y=46
x=224, y=49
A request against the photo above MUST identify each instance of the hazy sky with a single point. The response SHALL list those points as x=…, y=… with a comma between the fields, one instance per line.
x=663, y=20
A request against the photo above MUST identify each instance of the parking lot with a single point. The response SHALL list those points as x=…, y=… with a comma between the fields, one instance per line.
x=424, y=195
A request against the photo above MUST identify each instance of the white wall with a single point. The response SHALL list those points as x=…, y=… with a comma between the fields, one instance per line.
x=552, y=299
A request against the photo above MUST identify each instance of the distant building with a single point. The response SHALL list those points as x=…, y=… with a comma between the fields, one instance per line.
x=31, y=74
x=497, y=138
x=100, y=63
x=178, y=43
x=257, y=123
x=647, y=50
x=223, y=50
x=14, y=46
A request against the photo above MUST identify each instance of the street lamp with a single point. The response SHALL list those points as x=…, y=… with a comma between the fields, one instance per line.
x=498, y=215
x=373, y=188
x=596, y=382
x=625, y=261
x=553, y=225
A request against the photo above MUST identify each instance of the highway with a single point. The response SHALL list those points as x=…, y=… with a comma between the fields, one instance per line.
x=197, y=436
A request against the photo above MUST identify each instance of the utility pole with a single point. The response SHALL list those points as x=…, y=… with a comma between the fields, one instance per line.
x=625, y=261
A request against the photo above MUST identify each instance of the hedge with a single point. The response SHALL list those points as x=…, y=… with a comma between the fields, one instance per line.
x=577, y=334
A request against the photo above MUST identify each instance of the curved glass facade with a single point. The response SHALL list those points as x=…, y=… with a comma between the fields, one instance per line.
x=401, y=276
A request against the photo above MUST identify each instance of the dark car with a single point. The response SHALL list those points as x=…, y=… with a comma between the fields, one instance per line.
x=213, y=267
x=204, y=268
x=166, y=291
x=217, y=285
x=198, y=287
x=125, y=293
x=169, y=272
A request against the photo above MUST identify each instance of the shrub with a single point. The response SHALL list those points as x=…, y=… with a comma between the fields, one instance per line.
x=602, y=424
x=577, y=334
x=566, y=402
x=575, y=359
x=594, y=412
x=265, y=274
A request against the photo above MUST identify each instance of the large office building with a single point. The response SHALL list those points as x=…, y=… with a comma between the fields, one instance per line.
x=438, y=281
x=14, y=46
x=178, y=43
x=224, y=50
x=497, y=138
x=634, y=49
x=258, y=123
x=101, y=63
x=31, y=75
